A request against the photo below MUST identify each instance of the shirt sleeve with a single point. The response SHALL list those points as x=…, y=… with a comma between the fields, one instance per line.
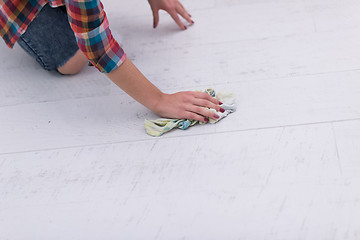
x=88, y=20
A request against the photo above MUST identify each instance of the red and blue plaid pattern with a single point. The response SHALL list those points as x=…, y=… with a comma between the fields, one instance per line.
x=87, y=19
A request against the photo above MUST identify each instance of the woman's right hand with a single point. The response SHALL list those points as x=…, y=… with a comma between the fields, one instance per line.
x=181, y=105
x=188, y=105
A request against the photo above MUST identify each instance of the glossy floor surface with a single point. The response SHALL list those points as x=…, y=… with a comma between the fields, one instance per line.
x=76, y=163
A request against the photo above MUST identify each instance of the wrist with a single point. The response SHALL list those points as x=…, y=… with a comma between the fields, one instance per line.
x=157, y=102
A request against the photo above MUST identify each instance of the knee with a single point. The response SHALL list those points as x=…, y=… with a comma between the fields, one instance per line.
x=74, y=65
x=70, y=71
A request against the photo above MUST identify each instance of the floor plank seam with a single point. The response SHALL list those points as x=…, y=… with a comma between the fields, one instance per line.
x=183, y=136
x=190, y=87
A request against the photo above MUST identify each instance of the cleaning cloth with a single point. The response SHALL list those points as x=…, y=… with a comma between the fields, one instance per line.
x=160, y=126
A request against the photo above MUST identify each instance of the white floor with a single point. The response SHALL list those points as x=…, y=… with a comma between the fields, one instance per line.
x=76, y=163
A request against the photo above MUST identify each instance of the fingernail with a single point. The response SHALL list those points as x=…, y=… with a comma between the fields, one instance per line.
x=216, y=116
x=222, y=110
x=206, y=119
x=185, y=27
x=220, y=103
x=192, y=22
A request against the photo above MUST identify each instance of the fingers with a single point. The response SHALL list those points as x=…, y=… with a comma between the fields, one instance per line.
x=203, y=112
x=202, y=95
x=206, y=103
x=199, y=102
x=181, y=10
x=174, y=8
x=184, y=8
x=176, y=18
x=194, y=116
x=189, y=105
x=156, y=17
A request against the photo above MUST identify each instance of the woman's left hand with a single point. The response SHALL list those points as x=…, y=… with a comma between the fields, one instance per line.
x=174, y=8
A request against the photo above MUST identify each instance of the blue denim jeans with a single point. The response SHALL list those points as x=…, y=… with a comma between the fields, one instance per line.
x=49, y=38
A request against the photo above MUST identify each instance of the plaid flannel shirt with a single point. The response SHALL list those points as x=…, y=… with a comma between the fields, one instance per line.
x=87, y=19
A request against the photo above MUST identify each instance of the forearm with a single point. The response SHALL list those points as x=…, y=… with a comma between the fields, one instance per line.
x=134, y=83
x=189, y=105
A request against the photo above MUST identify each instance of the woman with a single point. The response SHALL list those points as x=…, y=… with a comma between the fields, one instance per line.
x=63, y=35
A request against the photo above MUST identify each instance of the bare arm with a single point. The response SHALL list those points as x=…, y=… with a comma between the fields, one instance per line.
x=189, y=105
